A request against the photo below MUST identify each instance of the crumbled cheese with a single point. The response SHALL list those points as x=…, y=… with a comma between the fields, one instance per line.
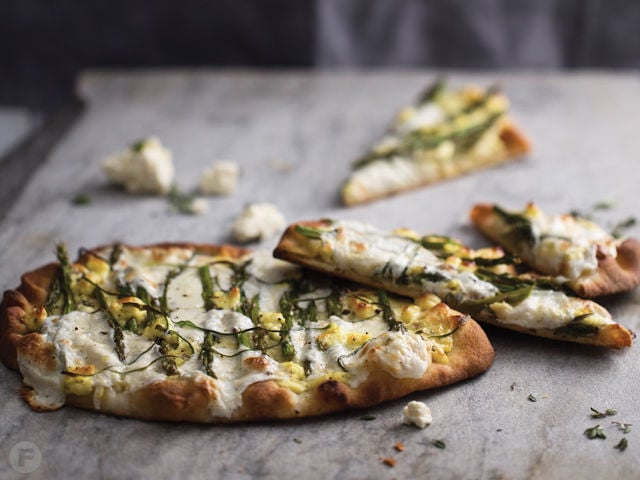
x=221, y=178
x=146, y=166
x=199, y=206
x=258, y=222
x=418, y=414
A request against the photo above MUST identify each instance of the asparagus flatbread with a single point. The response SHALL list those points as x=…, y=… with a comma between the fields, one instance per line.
x=212, y=334
x=576, y=251
x=447, y=133
x=402, y=264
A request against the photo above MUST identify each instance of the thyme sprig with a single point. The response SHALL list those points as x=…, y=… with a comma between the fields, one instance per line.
x=595, y=432
x=622, y=444
x=625, y=427
x=607, y=413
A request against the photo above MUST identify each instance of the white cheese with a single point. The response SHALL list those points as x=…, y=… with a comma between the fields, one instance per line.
x=399, y=255
x=567, y=245
x=402, y=355
x=258, y=221
x=145, y=167
x=221, y=178
x=547, y=309
x=415, y=118
x=418, y=414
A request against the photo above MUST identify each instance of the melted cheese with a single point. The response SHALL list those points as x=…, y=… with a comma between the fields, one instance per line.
x=402, y=355
x=368, y=252
x=566, y=245
x=548, y=309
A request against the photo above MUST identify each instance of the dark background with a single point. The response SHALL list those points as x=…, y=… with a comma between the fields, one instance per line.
x=44, y=44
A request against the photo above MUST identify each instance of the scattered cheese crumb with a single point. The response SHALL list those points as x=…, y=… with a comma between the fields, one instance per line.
x=146, y=166
x=199, y=206
x=258, y=222
x=418, y=414
x=221, y=178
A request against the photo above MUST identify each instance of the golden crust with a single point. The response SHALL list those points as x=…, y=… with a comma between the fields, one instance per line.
x=515, y=144
x=190, y=398
x=294, y=248
x=613, y=275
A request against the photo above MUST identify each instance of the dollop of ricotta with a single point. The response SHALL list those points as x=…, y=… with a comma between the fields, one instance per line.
x=401, y=354
x=221, y=178
x=258, y=221
x=146, y=167
x=417, y=414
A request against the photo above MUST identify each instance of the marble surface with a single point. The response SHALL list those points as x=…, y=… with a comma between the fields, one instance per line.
x=294, y=135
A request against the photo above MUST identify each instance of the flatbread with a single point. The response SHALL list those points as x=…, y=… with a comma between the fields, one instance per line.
x=214, y=334
x=578, y=252
x=401, y=264
x=445, y=134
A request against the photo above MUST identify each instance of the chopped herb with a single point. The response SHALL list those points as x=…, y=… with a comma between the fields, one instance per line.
x=622, y=444
x=595, y=432
x=532, y=398
x=81, y=199
x=439, y=444
x=297, y=440
x=620, y=227
x=625, y=427
x=607, y=413
x=138, y=145
x=183, y=202
x=367, y=418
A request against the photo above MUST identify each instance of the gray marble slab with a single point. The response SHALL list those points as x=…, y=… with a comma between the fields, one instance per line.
x=584, y=127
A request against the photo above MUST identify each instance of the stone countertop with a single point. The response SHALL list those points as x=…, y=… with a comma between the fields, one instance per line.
x=294, y=134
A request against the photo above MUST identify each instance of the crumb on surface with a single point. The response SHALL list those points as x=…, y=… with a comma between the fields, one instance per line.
x=389, y=461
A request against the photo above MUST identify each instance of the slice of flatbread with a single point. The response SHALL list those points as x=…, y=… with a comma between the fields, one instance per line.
x=576, y=251
x=212, y=334
x=401, y=264
x=447, y=133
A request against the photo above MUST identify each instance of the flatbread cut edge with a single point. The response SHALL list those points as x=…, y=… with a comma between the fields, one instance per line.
x=292, y=248
x=184, y=399
x=614, y=275
x=514, y=139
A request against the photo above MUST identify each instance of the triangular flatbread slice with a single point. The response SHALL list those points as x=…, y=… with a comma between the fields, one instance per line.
x=447, y=133
x=401, y=264
x=574, y=250
x=212, y=334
